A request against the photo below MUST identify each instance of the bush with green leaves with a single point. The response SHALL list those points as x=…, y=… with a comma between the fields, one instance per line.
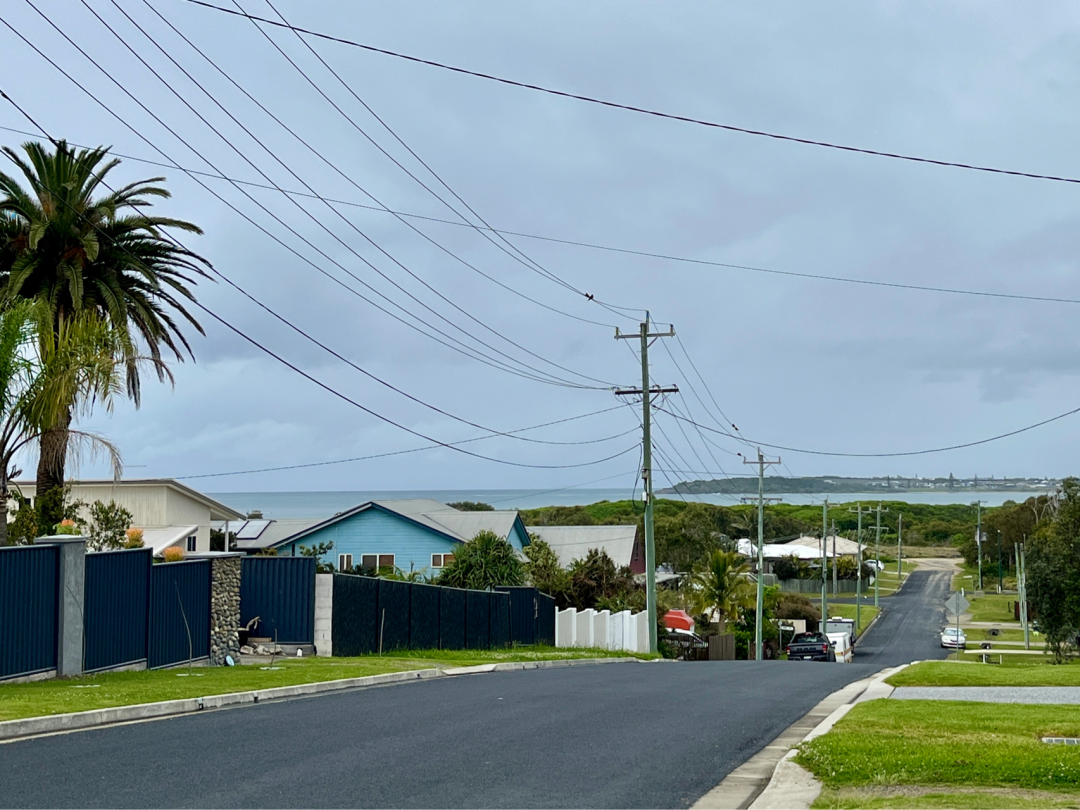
x=108, y=525
x=786, y=568
x=472, y=506
x=719, y=587
x=596, y=579
x=1053, y=572
x=318, y=551
x=484, y=562
x=543, y=569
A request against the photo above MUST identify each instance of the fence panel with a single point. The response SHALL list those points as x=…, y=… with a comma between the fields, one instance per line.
x=116, y=607
x=523, y=613
x=354, y=628
x=394, y=614
x=280, y=592
x=424, y=617
x=499, y=626
x=545, y=620
x=179, y=605
x=452, y=619
x=28, y=609
x=477, y=619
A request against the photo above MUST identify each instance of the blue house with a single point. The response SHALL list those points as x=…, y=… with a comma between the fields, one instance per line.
x=412, y=534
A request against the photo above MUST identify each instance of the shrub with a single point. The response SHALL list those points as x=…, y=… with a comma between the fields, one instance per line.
x=543, y=569
x=798, y=606
x=173, y=554
x=66, y=526
x=484, y=562
x=134, y=538
x=109, y=523
x=786, y=568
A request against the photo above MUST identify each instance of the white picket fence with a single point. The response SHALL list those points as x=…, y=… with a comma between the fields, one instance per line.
x=602, y=628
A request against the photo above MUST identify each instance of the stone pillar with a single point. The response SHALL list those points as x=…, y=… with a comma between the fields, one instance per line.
x=224, y=604
x=71, y=597
x=324, y=614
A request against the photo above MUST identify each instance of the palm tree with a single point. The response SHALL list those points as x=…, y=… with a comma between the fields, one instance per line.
x=79, y=253
x=720, y=586
x=40, y=378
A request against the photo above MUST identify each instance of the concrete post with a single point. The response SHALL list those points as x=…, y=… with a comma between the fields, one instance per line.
x=601, y=629
x=71, y=597
x=585, y=628
x=324, y=614
x=566, y=627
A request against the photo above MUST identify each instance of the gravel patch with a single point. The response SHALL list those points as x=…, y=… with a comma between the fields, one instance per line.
x=1049, y=695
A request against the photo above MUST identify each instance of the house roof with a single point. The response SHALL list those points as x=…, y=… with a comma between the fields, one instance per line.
x=162, y=537
x=256, y=534
x=218, y=510
x=776, y=551
x=434, y=515
x=843, y=545
x=574, y=542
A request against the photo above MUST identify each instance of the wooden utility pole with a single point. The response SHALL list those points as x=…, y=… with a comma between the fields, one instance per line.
x=646, y=394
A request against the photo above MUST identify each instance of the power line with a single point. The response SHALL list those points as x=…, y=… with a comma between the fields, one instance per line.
x=594, y=246
x=891, y=455
x=460, y=347
x=333, y=391
x=643, y=110
x=314, y=219
x=514, y=251
x=390, y=453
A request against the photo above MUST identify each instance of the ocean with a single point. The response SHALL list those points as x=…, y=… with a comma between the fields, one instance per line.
x=326, y=504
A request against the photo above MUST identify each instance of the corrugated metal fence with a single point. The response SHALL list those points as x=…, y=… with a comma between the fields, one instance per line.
x=814, y=586
x=411, y=616
x=28, y=608
x=280, y=592
x=115, y=608
x=532, y=615
x=179, y=612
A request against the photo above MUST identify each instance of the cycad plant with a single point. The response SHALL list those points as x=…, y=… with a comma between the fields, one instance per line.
x=484, y=562
x=720, y=586
x=77, y=250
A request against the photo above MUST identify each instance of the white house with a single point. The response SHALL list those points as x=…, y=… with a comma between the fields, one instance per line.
x=168, y=512
x=571, y=543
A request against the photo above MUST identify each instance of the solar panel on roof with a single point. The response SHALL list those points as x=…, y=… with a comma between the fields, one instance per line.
x=252, y=529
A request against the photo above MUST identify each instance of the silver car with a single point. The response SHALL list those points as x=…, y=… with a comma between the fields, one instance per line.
x=954, y=638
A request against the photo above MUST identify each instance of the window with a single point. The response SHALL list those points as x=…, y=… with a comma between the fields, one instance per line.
x=447, y=559
x=344, y=562
x=376, y=561
x=441, y=560
x=191, y=543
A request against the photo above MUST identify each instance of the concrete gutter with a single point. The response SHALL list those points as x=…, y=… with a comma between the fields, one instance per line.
x=770, y=779
x=77, y=721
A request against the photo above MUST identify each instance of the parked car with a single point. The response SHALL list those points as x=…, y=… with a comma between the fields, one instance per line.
x=953, y=638
x=810, y=647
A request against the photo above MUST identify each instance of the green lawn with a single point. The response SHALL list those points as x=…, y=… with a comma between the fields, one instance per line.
x=980, y=634
x=1014, y=671
x=954, y=798
x=126, y=688
x=908, y=743
x=867, y=614
x=993, y=607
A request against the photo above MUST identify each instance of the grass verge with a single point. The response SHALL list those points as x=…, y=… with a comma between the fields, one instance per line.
x=993, y=607
x=39, y=698
x=895, y=743
x=1012, y=672
x=958, y=798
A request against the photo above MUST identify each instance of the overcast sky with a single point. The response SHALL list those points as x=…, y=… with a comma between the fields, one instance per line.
x=798, y=362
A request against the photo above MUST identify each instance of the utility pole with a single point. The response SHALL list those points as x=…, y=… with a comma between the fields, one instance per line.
x=758, y=614
x=858, y=558
x=979, y=540
x=900, y=546
x=1022, y=587
x=1001, y=577
x=824, y=563
x=877, y=554
x=834, y=573
x=646, y=463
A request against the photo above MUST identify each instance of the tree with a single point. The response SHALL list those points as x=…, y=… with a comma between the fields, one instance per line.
x=472, y=506
x=720, y=586
x=1053, y=571
x=318, y=551
x=77, y=252
x=484, y=562
x=786, y=567
x=543, y=569
x=692, y=535
x=40, y=378
x=109, y=523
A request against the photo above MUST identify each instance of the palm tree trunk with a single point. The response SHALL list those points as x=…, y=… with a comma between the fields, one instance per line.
x=50, y=473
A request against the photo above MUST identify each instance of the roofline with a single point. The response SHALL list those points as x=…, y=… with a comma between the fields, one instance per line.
x=231, y=514
x=355, y=511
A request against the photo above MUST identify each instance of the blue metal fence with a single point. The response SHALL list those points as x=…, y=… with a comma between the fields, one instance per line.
x=28, y=609
x=179, y=605
x=545, y=620
x=115, y=608
x=280, y=592
x=524, y=611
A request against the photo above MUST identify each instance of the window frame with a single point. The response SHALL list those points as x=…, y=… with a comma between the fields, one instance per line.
x=341, y=564
x=192, y=543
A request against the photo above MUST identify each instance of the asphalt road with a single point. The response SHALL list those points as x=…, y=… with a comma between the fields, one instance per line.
x=618, y=735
